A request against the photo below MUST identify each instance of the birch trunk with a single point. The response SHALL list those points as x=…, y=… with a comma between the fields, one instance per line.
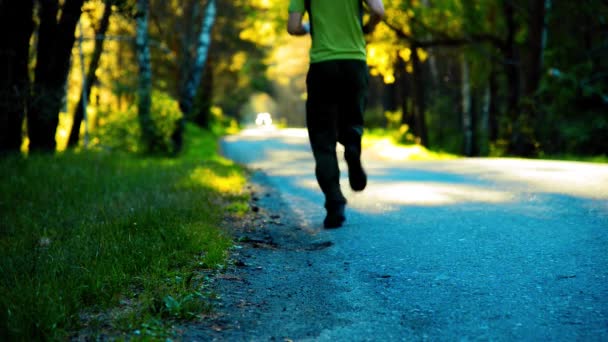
x=194, y=75
x=200, y=58
x=145, y=76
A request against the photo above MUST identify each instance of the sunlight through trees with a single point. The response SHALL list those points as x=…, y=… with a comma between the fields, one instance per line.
x=489, y=77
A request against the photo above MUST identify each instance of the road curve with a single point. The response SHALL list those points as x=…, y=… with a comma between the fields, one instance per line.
x=491, y=249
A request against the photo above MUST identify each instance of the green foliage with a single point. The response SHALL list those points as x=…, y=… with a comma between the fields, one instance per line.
x=444, y=125
x=400, y=132
x=374, y=118
x=165, y=114
x=385, y=144
x=575, y=104
x=187, y=305
x=576, y=110
x=239, y=63
x=121, y=130
x=85, y=231
x=117, y=131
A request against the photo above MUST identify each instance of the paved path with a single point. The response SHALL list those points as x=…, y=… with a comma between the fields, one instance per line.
x=490, y=249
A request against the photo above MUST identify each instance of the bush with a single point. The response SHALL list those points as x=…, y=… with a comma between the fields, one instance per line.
x=573, y=114
x=121, y=130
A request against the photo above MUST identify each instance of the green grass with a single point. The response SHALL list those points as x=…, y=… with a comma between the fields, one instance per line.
x=385, y=143
x=85, y=232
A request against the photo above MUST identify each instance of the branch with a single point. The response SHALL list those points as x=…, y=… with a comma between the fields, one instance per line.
x=400, y=33
x=446, y=40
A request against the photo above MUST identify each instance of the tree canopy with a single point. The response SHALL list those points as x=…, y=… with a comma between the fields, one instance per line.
x=484, y=77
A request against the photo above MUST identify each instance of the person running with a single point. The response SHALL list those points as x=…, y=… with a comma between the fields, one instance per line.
x=337, y=83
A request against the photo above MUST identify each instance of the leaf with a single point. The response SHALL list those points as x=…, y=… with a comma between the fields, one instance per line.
x=171, y=304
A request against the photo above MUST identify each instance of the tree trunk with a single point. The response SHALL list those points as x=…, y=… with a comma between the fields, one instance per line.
x=532, y=72
x=522, y=138
x=203, y=110
x=144, y=88
x=536, y=42
x=493, y=106
x=55, y=42
x=512, y=65
x=16, y=24
x=200, y=59
x=193, y=81
x=474, y=124
x=390, y=95
x=403, y=82
x=188, y=42
x=484, y=129
x=467, y=119
x=91, y=77
x=434, y=79
x=419, y=111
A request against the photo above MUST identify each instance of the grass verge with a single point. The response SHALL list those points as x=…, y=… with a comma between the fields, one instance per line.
x=383, y=143
x=90, y=231
x=602, y=159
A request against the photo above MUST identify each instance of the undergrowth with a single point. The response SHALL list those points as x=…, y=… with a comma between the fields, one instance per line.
x=389, y=145
x=386, y=144
x=84, y=232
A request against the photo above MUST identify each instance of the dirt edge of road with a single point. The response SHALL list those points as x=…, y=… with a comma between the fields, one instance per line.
x=270, y=237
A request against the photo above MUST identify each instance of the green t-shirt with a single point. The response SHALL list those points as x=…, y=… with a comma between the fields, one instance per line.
x=336, y=26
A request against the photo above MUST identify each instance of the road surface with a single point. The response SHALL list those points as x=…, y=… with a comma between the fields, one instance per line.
x=468, y=249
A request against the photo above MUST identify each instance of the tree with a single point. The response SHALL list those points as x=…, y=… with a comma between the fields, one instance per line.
x=91, y=76
x=144, y=89
x=16, y=18
x=467, y=75
x=467, y=110
x=571, y=103
x=193, y=80
x=199, y=58
x=419, y=98
x=55, y=41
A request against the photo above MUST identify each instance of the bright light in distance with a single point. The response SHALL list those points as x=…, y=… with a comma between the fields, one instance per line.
x=263, y=119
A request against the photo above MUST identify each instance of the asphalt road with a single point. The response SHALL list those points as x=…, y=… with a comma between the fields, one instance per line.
x=470, y=249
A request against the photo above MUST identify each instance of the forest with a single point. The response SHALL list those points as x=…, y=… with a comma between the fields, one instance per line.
x=470, y=77
x=116, y=208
